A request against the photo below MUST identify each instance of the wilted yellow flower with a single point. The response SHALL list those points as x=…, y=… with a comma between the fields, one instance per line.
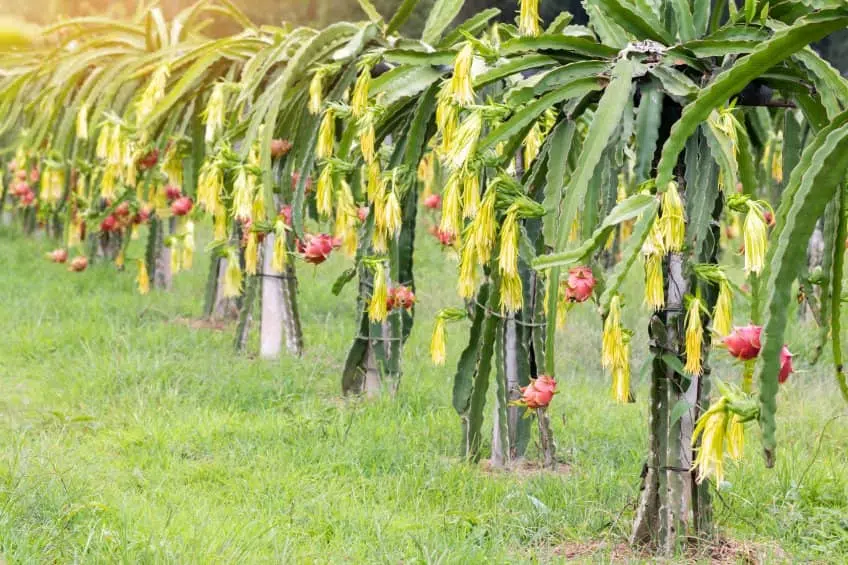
x=672, y=219
x=243, y=195
x=82, y=122
x=621, y=379
x=359, y=99
x=755, y=236
x=467, y=271
x=777, y=159
x=711, y=429
x=220, y=223
x=367, y=137
x=451, y=221
x=175, y=256
x=512, y=293
x=464, y=143
x=214, y=113
x=251, y=253
x=528, y=18
x=188, y=245
x=723, y=317
x=107, y=183
x=532, y=144
x=613, y=350
x=461, y=88
x=392, y=213
x=102, y=149
x=232, y=276
x=377, y=308
x=426, y=173
x=470, y=194
x=447, y=120
x=154, y=92
x=735, y=438
x=508, y=257
x=438, y=348
x=380, y=239
x=694, y=338
x=374, y=181
x=327, y=135
x=143, y=278
x=316, y=91
x=324, y=190
x=483, y=227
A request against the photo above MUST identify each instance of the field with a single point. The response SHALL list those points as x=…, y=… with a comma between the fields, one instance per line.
x=130, y=434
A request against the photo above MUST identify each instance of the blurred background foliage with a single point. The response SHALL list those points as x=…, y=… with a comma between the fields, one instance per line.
x=323, y=12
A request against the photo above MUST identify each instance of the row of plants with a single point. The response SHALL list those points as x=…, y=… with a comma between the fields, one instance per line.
x=559, y=161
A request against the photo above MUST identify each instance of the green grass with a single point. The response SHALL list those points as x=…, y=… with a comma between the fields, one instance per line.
x=126, y=436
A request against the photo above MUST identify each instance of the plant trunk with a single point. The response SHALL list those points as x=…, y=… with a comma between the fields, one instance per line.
x=271, y=319
x=162, y=275
x=546, y=439
x=674, y=506
x=291, y=315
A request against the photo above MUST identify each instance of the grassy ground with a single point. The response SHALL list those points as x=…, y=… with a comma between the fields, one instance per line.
x=126, y=435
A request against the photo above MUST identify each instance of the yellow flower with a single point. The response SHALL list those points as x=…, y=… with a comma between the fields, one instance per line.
x=755, y=236
x=613, y=350
x=694, y=338
x=326, y=135
x=673, y=222
x=359, y=99
x=377, y=309
x=143, y=278
x=508, y=256
x=324, y=190
x=461, y=88
x=723, y=317
x=232, y=277
x=528, y=18
x=438, y=349
x=470, y=194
